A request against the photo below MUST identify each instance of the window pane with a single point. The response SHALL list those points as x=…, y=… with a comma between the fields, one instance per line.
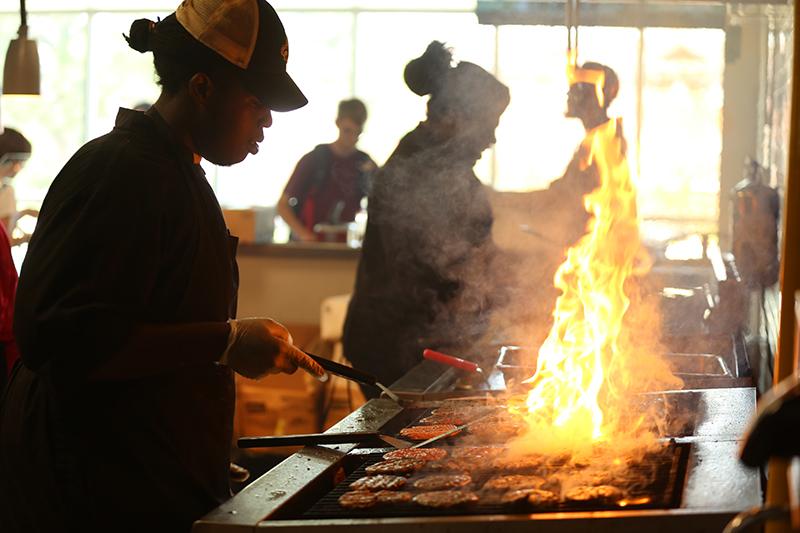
x=119, y=76
x=381, y=59
x=53, y=122
x=681, y=124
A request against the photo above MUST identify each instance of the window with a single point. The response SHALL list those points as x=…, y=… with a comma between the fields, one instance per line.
x=55, y=121
x=681, y=137
x=346, y=48
x=535, y=141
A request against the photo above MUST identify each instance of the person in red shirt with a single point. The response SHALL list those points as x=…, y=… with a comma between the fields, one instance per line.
x=14, y=151
x=329, y=182
x=8, y=290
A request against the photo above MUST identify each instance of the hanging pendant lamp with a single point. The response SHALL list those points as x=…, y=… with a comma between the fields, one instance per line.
x=21, y=71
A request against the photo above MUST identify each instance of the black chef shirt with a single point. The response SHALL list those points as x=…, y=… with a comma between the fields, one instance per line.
x=129, y=233
x=425, y=256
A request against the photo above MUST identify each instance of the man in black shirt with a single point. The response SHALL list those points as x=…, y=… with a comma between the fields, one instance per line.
x=120, y=416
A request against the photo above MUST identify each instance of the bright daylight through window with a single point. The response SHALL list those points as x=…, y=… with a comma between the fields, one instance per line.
x=339, y=51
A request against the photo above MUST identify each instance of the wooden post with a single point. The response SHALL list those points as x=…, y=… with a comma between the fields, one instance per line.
x=785, y=362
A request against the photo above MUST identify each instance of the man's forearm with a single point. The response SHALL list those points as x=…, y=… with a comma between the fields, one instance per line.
x=287, y=214
x=160, y=348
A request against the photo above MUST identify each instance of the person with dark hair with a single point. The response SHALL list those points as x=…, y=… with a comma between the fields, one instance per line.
x=428, y=244
x=15, y=150
x=593, y=88
x=329, y=182
x=120, y=415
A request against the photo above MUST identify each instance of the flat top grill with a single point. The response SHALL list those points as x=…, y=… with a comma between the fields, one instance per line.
x=655, y=482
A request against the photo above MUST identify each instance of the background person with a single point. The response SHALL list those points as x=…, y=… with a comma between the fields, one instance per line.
x=427, y=255
x=329, y=182
x=15, y=150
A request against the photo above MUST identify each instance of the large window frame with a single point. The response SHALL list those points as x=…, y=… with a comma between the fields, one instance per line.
x=356, y=11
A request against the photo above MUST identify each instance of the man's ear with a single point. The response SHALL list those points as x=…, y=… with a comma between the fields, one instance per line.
x=201, y=89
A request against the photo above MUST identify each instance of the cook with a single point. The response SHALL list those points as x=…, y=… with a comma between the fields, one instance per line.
x=428, y=240
x=590, y=106
x=119, y=417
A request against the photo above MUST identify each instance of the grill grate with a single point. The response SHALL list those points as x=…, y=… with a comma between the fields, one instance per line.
x=664, y=491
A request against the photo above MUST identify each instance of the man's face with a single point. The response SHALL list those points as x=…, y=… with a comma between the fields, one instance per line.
x=230, y=124
x=349, y=132
x=581, y=100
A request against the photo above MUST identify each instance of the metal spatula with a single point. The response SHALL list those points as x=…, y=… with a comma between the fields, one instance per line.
x=457, y=429
x=352, y=374
x=314, y=439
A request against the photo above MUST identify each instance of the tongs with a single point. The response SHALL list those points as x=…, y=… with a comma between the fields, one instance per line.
x=353, y=374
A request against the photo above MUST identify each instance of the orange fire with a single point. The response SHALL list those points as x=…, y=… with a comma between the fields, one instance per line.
x=586, y=371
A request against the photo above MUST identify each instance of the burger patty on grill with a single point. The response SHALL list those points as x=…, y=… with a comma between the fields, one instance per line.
x=514, y=482
x=442, y=482
x=541, y=497
x=379, y=482
x=397, y=466
x=358, y=500
x=476, y=453
x=445, y=498
x=525, y=463
x=585, y=493
x=426, y=432
x=390, y=497
x=422, y=454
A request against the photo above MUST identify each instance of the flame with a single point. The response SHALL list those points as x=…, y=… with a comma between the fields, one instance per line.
x=634, y=501
x=586, y=370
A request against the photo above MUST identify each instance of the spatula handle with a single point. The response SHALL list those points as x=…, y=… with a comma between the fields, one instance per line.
x=450, y=360
x=309, y=439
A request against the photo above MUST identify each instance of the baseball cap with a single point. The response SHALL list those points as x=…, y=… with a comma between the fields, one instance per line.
x=249, y=34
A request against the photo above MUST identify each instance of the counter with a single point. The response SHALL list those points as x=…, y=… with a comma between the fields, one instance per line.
x=288, y=282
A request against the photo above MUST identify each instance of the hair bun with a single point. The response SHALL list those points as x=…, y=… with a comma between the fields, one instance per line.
x=424, y=74
x=140, y=35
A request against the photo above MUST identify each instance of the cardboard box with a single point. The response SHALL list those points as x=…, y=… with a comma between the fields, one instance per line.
x=262, y=411
x=253, y=225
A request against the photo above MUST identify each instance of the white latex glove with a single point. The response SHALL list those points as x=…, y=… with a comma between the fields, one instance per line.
x=261, y=346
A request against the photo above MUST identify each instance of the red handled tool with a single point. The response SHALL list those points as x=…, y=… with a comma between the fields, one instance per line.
x=451, y=360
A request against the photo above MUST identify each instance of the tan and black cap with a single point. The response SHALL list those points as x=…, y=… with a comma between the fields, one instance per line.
x=248, y=34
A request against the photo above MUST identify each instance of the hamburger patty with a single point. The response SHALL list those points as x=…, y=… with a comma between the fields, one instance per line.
x=543, y=498
x=422, y=454
x=585, y=493
x=442, y=482
x=426, y=432
x=445, y=498
x=397, y=466
x=357, y=500
x=514, y=482
x=476, y=453
x=391, y=497
x=379, y=482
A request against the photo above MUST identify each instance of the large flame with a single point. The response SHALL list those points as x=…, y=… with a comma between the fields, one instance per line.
x=586, y=372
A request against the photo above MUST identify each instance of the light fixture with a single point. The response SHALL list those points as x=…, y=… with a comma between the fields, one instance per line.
x=21, y=71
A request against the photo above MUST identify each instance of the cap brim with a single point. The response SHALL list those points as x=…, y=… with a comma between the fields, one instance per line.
x=276, y=90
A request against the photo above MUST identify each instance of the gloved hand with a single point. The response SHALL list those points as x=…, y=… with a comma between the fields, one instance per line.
x=260, y=346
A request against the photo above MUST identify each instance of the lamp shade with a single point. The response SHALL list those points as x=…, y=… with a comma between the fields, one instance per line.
x=21, y=71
